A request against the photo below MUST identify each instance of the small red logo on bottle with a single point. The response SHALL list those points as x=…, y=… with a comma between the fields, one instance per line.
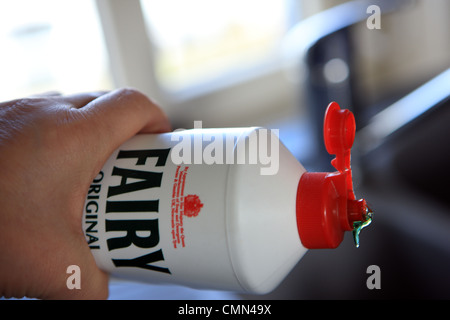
x=192, y=205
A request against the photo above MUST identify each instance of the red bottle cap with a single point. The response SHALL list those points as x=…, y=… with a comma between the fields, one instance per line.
x=326, y=202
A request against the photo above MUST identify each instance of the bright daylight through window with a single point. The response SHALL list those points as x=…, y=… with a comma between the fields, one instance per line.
x=199, y=41
x=51, y=45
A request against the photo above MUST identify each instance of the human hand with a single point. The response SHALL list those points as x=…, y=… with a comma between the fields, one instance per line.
x=51, y=148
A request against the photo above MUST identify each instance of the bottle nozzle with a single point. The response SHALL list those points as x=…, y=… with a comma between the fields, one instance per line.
x=326, y=202
x=361, y=224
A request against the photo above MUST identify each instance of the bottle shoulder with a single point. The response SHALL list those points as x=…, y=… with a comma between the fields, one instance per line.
x=261, y=221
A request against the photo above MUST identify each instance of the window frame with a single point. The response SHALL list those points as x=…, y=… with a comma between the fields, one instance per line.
x=229, y=101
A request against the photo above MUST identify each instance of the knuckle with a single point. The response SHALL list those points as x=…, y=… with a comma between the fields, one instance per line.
x=129, y=93
x=133, y=97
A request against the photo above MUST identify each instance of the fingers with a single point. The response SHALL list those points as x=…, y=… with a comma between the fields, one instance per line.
x=77, y=101
x=75, y=275
x=114, y=117
x=80, y=100
x=52, y=99
x=75, y=134
x=45, y=94
x=126, y=112
x=94, y=282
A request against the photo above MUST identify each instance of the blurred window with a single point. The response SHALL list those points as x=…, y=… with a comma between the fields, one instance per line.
x=50, y=45
x=199, y=41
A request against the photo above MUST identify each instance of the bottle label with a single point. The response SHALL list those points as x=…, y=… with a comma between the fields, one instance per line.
x=182, y=206
x=125, y=203
x=147, y=218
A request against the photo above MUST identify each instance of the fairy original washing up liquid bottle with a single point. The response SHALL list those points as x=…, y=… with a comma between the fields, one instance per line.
x=228, y=209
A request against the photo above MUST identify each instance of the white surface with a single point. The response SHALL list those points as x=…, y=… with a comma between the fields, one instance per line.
x=124, y=290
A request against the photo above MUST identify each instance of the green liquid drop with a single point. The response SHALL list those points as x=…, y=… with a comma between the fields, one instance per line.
x=359, y=225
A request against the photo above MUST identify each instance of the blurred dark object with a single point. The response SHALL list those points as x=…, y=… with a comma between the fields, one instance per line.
x=410, y=139
x=401, y=155
x=328, y=52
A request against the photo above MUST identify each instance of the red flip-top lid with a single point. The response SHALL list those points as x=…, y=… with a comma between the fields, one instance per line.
x=326, y=203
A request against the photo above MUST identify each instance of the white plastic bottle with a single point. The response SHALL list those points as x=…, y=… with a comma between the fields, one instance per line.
x=206, y=208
